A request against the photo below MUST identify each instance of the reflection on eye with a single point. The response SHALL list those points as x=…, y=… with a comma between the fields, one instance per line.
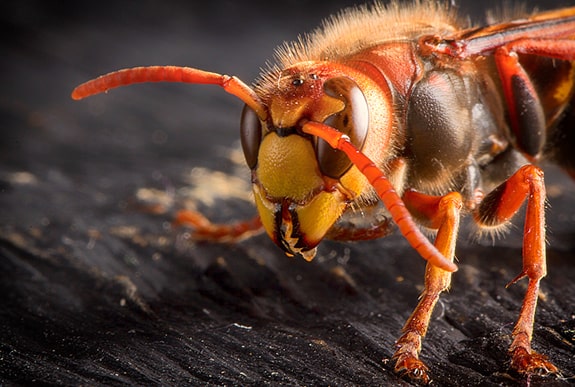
x=353, y=120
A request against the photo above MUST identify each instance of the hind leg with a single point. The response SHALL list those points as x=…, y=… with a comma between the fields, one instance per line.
x=496, y=209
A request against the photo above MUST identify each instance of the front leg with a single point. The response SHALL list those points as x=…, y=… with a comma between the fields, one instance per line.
x=205, y=230
x=443, y=214
x=496, y=209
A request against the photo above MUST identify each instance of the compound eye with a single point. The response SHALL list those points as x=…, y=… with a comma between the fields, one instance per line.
x=353, y=120
x=250, y=135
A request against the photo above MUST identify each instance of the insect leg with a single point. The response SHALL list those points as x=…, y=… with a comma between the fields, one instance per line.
x=360, y=233
x=443, y=214
x=205, y=230
x=526, y=113
x=497, y=208
x=367, y=224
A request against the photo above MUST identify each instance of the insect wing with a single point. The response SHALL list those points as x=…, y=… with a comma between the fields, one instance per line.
x=559, y=24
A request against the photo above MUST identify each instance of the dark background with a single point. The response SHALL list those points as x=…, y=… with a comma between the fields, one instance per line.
x=97, y=290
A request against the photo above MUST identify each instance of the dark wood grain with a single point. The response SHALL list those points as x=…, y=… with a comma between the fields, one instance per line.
x=98, y=291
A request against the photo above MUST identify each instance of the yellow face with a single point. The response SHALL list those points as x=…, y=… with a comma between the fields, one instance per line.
x=301, y=186
x=296, y=205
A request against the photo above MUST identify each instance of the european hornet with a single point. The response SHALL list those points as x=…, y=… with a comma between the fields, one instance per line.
x=400, y=104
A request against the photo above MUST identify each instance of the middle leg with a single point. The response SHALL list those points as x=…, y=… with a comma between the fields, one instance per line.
x=443, y=214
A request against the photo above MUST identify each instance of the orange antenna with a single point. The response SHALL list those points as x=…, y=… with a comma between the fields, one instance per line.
x=385, y=191
x=230, y=84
